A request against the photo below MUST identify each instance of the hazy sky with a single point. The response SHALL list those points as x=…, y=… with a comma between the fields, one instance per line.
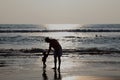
x=59, y=11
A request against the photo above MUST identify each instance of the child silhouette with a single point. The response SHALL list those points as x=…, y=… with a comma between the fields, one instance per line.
x=44, y=59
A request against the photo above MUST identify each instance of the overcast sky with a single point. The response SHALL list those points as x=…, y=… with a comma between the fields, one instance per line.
x=59, y=11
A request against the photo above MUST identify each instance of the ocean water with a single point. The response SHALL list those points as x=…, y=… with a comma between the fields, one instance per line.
x=79, y=37
x=18, y=36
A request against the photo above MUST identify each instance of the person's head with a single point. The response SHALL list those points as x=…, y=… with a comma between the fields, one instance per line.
x=47, y=39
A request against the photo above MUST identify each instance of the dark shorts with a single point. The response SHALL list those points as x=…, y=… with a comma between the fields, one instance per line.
x=58, y=53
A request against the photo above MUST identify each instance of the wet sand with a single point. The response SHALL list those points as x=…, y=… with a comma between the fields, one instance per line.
x=73, y=67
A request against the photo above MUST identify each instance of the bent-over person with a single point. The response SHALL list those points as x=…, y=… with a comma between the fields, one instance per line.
x=53, y=43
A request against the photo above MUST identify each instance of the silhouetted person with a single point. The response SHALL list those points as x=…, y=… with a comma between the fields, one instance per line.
x=44, y=59
x=53, y=43
x=96, y=35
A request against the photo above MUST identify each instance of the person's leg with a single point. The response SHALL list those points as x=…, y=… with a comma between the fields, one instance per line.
x=44, y=64
x=55, y=62
x=59, y=61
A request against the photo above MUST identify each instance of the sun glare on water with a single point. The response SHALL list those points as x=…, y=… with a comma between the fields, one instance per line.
x=61, y=26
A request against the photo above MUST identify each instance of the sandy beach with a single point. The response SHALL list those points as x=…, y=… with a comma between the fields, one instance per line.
x=74, y=67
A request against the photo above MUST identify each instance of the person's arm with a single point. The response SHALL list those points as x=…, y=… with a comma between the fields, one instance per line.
x=49, y=49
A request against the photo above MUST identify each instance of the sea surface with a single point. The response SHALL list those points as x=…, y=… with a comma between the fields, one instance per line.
x=68, y=39
x=80, y=37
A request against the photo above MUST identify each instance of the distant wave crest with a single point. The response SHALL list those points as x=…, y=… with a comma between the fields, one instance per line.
x=76, y=30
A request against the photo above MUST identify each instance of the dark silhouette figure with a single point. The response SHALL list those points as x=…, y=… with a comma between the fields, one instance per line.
x=44, y=59
x=53, y=43
x=57, y=75
x=96, y=35
x=44, y=75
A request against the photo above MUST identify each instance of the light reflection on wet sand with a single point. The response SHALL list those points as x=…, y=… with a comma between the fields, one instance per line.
x=88, y=78
x=74, y=67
